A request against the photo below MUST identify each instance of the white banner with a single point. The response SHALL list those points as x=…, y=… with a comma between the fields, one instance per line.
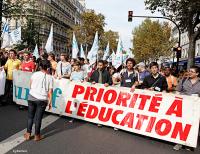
x=174, y=118
x=2, y=82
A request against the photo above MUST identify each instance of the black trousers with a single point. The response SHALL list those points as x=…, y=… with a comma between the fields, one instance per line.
x=8, y=89
x=36, y=110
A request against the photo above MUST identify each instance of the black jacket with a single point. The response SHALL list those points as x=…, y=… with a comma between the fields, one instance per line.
x=106, y=78
x=160, y=82
x=124, y=78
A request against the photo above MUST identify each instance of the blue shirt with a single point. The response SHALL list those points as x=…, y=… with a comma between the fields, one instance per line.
x=77, y=76
x=63, y=69
x=143, y=74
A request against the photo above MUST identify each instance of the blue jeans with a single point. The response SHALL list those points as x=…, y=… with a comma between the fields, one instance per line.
x=36, y=110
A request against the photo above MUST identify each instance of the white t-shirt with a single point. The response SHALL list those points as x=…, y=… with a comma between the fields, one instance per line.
x=117, y=75
x=41, y=84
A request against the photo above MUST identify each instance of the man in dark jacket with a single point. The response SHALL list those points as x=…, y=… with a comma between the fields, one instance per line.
x=155, y=81
x=101, y=75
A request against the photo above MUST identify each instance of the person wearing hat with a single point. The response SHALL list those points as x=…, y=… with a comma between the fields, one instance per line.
x=142, y=73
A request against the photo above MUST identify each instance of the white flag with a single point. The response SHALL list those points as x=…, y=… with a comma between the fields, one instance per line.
x=130, y=54
x=6, y=37
x=82, y=54
x=106, y=53
x=112, y=58
x=92, y=55
x=15, y=36
x=5, y=28
x=124, y=58
x=49, y=44
x=74, y=47
x=36, y=52
x=119, y=54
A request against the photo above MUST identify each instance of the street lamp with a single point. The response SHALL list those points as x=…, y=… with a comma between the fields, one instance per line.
x=130, y=15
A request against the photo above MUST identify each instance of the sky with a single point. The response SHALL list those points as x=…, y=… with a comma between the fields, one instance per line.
x=116, y=13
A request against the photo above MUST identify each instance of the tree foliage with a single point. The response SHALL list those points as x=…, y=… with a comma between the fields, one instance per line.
x=16, y=8
x=26, y=12
x=184, y=12
x=152, y=40
x=30, y=36
x=85, y=32
x=111, y=37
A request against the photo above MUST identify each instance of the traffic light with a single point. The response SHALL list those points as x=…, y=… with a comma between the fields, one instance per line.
x=178, y=52
x=130, y=16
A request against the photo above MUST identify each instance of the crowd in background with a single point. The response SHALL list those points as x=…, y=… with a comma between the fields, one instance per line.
x=130, y=75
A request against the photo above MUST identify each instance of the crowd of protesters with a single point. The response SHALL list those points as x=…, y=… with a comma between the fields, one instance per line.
x=130, y=74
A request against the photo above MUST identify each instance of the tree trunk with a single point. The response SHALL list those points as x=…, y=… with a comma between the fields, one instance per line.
x=1, y=7
x=191, y=51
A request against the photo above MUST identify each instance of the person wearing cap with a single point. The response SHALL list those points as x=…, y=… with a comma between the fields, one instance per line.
x=142, y=73
x=27, y=65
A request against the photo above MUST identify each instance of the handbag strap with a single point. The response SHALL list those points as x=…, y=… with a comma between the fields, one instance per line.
x=61, y=68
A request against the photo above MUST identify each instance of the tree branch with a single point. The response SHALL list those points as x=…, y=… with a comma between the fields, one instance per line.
x=12, y=6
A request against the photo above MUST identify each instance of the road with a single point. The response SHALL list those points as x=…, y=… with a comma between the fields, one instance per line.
x=79, y=137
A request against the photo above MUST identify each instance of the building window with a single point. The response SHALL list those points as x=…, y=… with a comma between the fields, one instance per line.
x=198, y=49
x=183, y=53
x=186, y=53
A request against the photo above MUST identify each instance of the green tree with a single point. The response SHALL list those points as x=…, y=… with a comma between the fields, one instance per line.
x=151, y=40
x=184, y=12
x=30, y=35
x=16, y=8
x=85, y=32
x=111, y=37
x=26, y=12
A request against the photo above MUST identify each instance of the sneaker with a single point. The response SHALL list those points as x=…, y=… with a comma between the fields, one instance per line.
x=177, y=147
x=99, y=125
x=21, y=107
x=189, y=148
x=38, y=137
x=115, y=129
x=71, y=121
x=27, y=136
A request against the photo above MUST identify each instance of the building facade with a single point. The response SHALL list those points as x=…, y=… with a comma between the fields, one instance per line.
x=63, y=14
x=185, y=43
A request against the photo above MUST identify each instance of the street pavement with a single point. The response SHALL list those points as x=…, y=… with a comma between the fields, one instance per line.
x=79, y=137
